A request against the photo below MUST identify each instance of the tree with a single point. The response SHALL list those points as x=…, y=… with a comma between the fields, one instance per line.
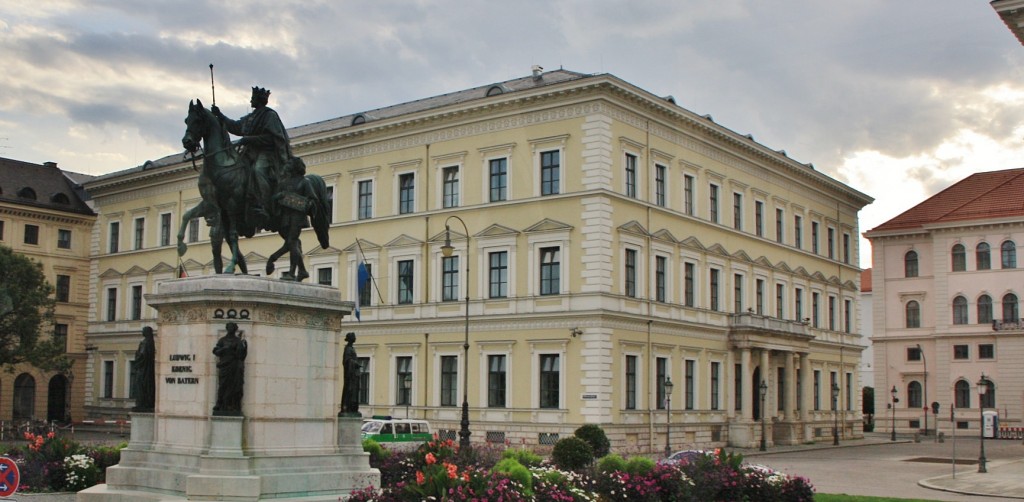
x=26, y=310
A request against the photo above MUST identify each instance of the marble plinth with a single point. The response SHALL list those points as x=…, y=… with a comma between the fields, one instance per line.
x=288, y=444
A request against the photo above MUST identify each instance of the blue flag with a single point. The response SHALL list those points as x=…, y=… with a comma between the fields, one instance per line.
x=362, y=277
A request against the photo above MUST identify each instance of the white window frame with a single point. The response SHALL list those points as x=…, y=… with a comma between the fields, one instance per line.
x=397, y=170
x=496, y=152
x=446, y=349
x=549, y=144
x=404, y=350
x=545, y=240
x=498, y=349
x=367, y=174
x=628, y=242
x=405, y=254
x=536, y=350
x=638, y=353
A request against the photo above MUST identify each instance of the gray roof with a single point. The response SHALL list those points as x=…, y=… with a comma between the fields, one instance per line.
x=481, y=92
x=43, y=186
x=339, y=123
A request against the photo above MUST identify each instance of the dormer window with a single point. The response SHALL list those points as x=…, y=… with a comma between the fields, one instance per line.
x=359, y=119
x=60, y=198
x=27, y=193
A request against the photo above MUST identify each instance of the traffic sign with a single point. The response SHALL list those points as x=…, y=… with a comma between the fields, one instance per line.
x=9, y=477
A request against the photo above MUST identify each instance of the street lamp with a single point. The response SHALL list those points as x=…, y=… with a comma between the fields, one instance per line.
x=894, y=401
x=407, y=385
x=447, y=250
x=835, y=414
x=982, y=388
x=764, y=393
x=924, y=400
x=668, y=416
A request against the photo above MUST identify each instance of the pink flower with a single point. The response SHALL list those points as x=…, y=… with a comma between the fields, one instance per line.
x=420, y=479
x=431, y=459
x=452, y=470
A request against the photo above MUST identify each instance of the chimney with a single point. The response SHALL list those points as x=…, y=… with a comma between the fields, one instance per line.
x=50, y=164
x=537, y=70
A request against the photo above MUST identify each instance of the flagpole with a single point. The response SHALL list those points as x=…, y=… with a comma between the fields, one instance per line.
x=373, y=281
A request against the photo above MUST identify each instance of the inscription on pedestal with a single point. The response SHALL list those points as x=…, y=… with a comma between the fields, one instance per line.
x=181, y=365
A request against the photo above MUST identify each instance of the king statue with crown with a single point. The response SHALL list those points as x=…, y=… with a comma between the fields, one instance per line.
x=264, y=143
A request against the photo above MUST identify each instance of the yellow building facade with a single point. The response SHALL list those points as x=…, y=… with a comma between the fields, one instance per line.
x=43, y=216
x=607, y=240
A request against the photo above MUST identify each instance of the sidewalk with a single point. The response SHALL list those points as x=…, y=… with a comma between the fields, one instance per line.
x=1003, y=479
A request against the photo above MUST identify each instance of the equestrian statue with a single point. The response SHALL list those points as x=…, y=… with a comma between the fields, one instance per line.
x=253, y=184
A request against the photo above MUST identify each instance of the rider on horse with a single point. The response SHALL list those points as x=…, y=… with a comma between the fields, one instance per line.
x=265, y=144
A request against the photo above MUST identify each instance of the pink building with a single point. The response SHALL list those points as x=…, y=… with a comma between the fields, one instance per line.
x=947, y=293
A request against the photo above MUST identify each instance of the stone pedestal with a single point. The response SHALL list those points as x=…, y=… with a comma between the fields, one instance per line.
x=288, y=444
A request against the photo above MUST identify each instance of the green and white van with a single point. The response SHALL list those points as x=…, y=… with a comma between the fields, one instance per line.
x=397, y=433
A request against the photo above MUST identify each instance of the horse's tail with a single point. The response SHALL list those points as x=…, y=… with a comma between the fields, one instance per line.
x=320, y=219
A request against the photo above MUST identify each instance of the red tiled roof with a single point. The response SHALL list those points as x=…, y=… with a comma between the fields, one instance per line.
x=995, y=194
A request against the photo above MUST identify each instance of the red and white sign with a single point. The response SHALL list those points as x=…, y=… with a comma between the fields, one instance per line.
x=10, y=477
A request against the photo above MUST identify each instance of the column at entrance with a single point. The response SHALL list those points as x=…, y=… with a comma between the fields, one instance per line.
x=789, y=401
x=745, y=380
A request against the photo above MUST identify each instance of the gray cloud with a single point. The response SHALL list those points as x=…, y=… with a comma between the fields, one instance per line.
x=817, y=80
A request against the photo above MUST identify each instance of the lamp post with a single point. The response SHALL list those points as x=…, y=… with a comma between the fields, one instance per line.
x=835, y=414
x=894, y=401
x=764, y=393
x=407, y=385
x=447, y=250
x=924, y=400
x=982, y=388
x=668, y=416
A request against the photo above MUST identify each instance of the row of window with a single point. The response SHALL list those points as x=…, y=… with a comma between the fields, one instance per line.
x=738, y=210
x=31, y=235
x=961, y=312
x=139, y=233
x=982, y=258
x=962, y=392
x=549, y=282
x=760, y=218
x=497, y=189
x=961, y=352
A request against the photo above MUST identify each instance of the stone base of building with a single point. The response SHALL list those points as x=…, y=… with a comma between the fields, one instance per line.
x=289, y=443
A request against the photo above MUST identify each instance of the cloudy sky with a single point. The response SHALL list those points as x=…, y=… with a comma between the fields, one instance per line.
x=899, y=99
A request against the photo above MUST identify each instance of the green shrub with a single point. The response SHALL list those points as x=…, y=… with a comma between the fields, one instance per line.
x=610, y=463
x=377, y=452
x=572, y=453
x=639, y=466
x=516, y=472
x=525, y=457
x=595, y=436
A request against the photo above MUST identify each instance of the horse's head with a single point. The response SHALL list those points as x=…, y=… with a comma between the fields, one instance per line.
x=197, y=124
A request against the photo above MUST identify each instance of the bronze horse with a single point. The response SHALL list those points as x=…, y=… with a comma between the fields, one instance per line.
x=223, y=185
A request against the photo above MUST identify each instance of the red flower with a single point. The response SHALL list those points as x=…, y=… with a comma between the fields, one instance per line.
x=431, y=459
x=420, y=479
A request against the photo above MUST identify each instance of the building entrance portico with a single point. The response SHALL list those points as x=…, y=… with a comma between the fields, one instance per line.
x=774, y=352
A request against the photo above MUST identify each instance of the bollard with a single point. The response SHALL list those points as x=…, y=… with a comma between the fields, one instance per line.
x=917, y=437
x=942, y=437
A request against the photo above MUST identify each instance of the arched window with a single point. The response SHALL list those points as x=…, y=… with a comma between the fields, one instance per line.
x=959, y=310
x=959, y=258
x=27, y=193
x=910, y=264
x=914, y=395
x=24, y=397
x=1010, y=313
x=983, y=257
x=962, y=394
x=984, y=309
x=913, y=314
x=1008, y=252
x=60, y=198
x=989, y=399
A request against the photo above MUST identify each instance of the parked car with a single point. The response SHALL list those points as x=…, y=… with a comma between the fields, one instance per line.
x=686, y=456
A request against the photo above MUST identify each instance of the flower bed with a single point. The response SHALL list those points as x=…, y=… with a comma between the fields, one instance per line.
x=49, y=463
x=438, y=471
